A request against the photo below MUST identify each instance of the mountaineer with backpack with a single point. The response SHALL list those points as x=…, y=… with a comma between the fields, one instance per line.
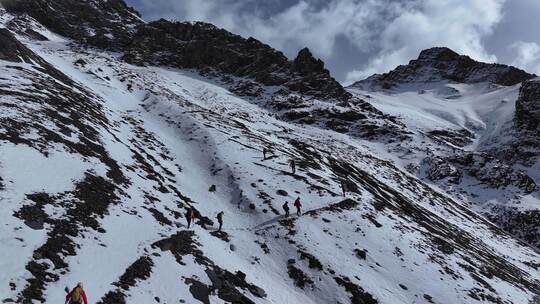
x=219, y=217
x=298, y=206
x=344, y=188
x=76, y=295
x=292, y=164
x=190, y=216
x=286, y=209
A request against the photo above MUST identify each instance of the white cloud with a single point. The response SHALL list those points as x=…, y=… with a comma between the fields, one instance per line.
x=291, y=27
x=460, y=25
x=527, y=56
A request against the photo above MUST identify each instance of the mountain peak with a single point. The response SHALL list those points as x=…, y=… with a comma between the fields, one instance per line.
x=438, y=53
x=441, y=64
x=306, y=63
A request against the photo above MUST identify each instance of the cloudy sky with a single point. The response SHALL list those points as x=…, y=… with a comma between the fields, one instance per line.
x=357, y=38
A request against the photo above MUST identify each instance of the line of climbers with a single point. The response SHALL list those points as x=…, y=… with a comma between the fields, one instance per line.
x=78, y=296
x=292, y=166
x=191, y=213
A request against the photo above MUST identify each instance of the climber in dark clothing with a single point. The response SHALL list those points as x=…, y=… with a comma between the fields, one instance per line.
x=344, y=188
x=292, y=164
x=190, y=216
x=286, y=209
x=219, y=217
x=298, y=206
x=264, y=152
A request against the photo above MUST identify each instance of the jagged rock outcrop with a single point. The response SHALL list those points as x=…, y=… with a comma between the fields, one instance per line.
x=12, y=50
x=200, y=45
x=443, y=64
x=528, y=106
x=100, y=23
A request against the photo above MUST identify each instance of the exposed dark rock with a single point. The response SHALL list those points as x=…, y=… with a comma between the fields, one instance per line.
x=139, y=270
x=314, y=263
x=199, y=291
x=91, y=199
x=33, y=214
x=459, y=138
x=113, y=297
x=101, y=23
x=160, y=217
x=428, y=298
x=361, y=253
x=282, y=192
x=306, y=64
x=288, y=102
x=439, y=168
x=528, y=106
x=12, y=50
x=299, y=277
x=223, y=281
x=524, y=224
x=342, y=206
x=358, y=295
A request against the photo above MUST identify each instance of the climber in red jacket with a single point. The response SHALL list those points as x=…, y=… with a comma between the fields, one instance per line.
x=298, y=206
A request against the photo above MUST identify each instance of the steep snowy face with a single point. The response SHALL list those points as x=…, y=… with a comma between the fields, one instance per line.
x=101, y=23
x=442, y=64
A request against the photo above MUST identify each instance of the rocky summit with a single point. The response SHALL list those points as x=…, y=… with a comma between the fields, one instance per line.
x=176, y=162
x=443, y=64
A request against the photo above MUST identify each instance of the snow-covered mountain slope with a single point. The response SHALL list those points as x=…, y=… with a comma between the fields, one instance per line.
x=477, y=141
x=100, y=159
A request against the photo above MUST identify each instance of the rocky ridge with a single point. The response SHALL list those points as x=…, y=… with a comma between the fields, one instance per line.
x=247, y=67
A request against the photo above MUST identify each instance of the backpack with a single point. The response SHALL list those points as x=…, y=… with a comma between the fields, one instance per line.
x=76, y=295
x=285, y=206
